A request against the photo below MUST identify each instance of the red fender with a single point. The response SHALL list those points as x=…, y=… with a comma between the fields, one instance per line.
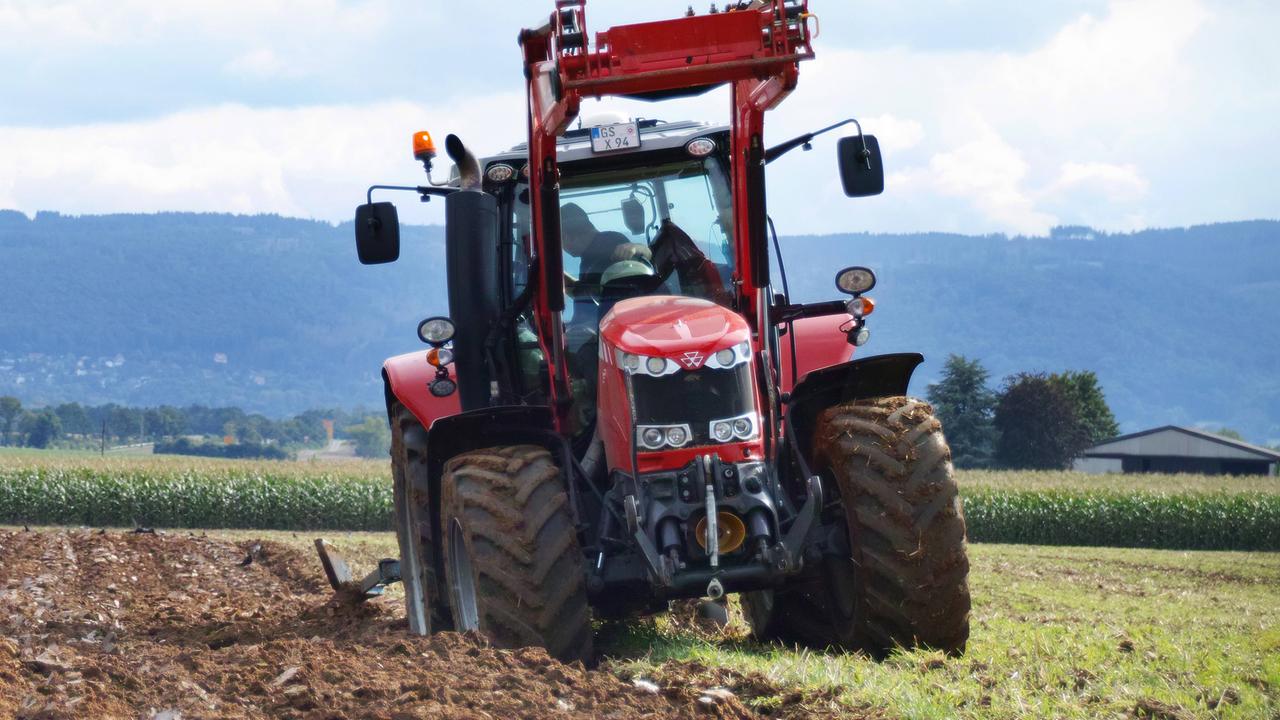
x=407, y=378
x=819, y=343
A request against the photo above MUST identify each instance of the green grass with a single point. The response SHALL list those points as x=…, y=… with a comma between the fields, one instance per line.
x=1057, y=632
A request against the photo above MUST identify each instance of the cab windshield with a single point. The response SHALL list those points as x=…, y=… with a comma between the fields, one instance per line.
x=675, y=218
x=660, y=229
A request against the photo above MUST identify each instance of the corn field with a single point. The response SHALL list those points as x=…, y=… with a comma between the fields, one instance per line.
x=1175, y=512
x=1181, y=521
x=267, y=496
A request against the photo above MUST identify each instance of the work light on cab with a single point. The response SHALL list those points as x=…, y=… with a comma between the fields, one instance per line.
x=500, y=172
x=855, y=280
x=701, y=147
x=435, y=331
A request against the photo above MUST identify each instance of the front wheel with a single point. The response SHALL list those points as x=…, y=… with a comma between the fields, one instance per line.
x=513, y=566
x=904, y=582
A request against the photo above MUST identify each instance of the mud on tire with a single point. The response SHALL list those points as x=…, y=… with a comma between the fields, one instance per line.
x=507, y=509
x=905, y=580
x=425, y=601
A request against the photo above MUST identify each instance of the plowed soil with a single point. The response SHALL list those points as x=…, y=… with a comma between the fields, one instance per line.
x=100, y=624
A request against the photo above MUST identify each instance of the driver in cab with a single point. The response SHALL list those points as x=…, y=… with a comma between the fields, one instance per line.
x=595, y=250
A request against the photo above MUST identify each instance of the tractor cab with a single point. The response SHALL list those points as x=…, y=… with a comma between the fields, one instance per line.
x=650, y=218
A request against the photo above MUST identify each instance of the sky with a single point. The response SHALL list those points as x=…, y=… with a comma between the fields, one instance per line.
x=994, y=116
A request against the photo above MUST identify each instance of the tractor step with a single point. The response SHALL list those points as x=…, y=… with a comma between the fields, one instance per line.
x=345, y=584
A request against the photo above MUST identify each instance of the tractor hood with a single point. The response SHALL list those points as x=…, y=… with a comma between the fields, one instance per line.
x=686, y=330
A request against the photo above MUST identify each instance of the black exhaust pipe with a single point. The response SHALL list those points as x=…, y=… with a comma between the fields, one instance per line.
x=471, y=261
x=468, y=166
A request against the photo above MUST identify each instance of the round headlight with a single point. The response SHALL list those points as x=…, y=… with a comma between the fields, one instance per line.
x=701, y=147
x=742, y=428
x=651, y=438
x=500, y=172
x=677, y=436
x=442, y=387
x=725, y=357
x=655, y=366
x=722, y=431
x=435, y=331
x=855, y=280
x=630, y=362
x=861, y=337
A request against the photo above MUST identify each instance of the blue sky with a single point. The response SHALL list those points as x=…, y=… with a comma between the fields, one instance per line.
x=994, y=116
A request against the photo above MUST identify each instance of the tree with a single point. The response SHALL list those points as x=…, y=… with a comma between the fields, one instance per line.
x=74, y=419
x=41, y=428
x=373, y=437
x=1038, y=424
x=966, y=407
x=1083, y=390
x=166, y=422
x=10, y=409
x=1231, y=433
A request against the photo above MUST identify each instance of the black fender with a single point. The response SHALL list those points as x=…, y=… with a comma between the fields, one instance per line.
x=486, y=427
x=870, y=377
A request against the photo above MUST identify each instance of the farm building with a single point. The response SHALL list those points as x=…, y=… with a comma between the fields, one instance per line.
x=1173, y=449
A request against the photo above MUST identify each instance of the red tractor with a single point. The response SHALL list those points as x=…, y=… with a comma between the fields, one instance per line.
x=621, y=409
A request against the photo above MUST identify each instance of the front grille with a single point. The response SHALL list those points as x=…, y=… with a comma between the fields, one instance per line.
x=694, y=397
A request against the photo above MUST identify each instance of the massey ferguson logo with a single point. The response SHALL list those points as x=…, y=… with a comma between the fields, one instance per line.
x=693, y=360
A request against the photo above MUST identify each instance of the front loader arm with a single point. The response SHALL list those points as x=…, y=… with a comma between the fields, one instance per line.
x=756, y=48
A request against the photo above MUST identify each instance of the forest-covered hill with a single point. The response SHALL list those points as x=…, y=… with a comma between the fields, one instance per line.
x=275, y=315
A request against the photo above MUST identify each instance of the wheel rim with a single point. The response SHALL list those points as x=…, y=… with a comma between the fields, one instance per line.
x=462, y=583
x=414, y=605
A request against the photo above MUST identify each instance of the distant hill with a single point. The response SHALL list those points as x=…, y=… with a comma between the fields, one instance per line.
x=275, y=315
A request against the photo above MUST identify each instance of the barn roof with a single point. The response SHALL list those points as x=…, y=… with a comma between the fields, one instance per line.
x=1176, y=441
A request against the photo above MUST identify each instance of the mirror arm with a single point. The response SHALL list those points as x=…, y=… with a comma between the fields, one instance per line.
x=425, y=192
x=791, y=313
x=778, y=151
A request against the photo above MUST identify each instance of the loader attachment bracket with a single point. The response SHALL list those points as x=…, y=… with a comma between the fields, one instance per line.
x=345, y=584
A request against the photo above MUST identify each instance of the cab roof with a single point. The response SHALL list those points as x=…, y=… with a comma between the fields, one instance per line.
x=654, y=135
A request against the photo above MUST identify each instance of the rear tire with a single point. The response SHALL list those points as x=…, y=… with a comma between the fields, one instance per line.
x=425, y=605
x=513, y=566
x=905, y=581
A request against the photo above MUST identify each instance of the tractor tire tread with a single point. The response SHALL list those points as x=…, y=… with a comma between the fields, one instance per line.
x=906, y=581
x=530, y=586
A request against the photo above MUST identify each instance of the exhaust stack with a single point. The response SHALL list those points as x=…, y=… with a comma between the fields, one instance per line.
x=468, y=166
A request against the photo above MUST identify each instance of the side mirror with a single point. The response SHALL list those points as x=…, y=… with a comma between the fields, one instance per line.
x=377, y=233
x=861, y=167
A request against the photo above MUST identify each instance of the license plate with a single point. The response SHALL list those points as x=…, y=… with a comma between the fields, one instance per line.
x=611, y=138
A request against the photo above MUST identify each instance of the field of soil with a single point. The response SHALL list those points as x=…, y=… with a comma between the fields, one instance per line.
x=114, y=624
x=199, y=624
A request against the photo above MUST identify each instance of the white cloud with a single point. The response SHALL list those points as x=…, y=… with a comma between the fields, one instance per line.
x=311, y=162
x=262, y=63
x=1118, y=182
x=47, y=23
x=1095, y=124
